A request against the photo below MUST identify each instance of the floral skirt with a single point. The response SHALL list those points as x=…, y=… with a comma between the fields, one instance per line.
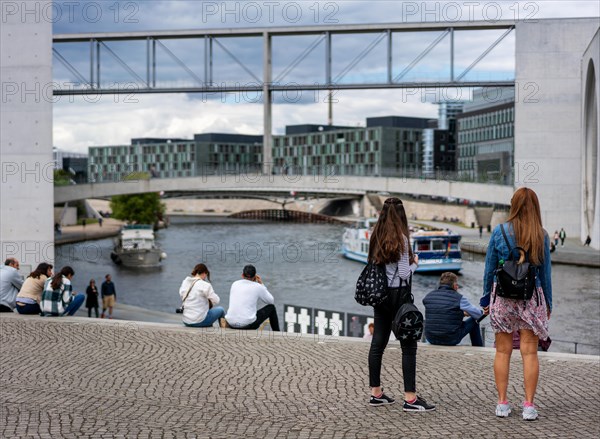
x=510, y=315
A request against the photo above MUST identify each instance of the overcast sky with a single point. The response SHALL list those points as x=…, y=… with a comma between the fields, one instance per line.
x=111, y=120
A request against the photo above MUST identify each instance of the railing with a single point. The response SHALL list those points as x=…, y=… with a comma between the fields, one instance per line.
x=111, y=173
x=327, y=323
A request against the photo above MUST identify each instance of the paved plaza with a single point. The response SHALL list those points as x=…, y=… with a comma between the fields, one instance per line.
x=72, y=378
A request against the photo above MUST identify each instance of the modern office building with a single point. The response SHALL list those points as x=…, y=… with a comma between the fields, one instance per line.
x=387, y=146
x=486, y=136
x=75, y=163
x=439, y=141
x=169, y=157
x=390, y=145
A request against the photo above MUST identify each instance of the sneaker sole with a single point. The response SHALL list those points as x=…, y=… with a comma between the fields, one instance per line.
x=381, y=404
x=418, y=410
x=502, y=415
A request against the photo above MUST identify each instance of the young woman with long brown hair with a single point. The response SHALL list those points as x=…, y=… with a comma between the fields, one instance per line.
x=390, y=245
x=523, y=229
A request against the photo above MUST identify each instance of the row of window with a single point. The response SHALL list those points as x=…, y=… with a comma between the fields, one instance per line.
x=236, y=148
x=485, y=134
x=326, y=149
x=245, y=159
x=487, y=119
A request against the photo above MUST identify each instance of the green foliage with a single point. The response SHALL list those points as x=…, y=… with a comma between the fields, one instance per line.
x=88, y=221
x=61, y=177
x=137, y=176
x=139, y=208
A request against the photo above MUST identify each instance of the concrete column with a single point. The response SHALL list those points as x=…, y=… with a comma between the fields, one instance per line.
x=267, y=105
x=590, y=142
x=548, y=117
x=26, y=191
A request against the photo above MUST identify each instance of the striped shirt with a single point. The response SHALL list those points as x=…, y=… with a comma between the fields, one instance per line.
x=400, y=270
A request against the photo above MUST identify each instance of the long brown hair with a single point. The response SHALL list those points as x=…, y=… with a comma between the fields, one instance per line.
x=390, y=235
x=526, y=220
x=57, y=279
x=41, y=270
x=201, y=269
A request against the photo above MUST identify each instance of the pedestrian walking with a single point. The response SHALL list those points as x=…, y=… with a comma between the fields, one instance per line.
x=109, y=296
x=480, y=231
x=100, y=220
x=562, y=235
x=556, y=237
x=530, y=317
x=390, y=245
x=91, y=300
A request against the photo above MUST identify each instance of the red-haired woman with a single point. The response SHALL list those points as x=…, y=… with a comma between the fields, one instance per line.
x=523, y=229
x=390, y=245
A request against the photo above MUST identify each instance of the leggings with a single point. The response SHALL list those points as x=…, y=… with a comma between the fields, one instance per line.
x=384, y=315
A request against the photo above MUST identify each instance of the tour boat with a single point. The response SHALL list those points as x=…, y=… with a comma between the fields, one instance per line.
x=135, y=247
x=438, y=250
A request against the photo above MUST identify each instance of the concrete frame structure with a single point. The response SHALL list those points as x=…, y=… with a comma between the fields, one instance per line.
x=26, y=194
x=548, y=117
x=590, y=142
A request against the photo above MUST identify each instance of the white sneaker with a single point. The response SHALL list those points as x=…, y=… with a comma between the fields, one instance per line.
x=530, y=413
x=503, y=410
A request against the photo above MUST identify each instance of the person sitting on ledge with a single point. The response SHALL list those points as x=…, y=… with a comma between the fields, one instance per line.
x=244, y=297
x=28, y=299
x=199, y=300
x=58, y=298
x=444, y=312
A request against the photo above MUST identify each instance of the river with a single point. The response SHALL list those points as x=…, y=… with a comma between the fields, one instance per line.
x=301, y=265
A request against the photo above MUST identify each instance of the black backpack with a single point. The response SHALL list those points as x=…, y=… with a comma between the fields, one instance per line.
x=408, y=322
x=514, y=280
x=372, y=285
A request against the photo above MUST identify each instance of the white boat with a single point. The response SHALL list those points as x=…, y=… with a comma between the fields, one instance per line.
x=438, y=250
x=135, y=247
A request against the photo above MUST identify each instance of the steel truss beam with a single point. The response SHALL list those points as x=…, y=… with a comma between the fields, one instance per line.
x=216, y=36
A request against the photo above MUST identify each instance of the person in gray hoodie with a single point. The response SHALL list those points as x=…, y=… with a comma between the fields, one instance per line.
x=10, y=284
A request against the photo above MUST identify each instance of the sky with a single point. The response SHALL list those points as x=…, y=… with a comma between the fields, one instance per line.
x=80, y=122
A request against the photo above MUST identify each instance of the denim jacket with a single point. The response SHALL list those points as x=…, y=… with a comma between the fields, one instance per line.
x=497, y=249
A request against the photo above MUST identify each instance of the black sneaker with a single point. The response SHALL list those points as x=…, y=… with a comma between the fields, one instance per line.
x=381, y=400
x=420, y=405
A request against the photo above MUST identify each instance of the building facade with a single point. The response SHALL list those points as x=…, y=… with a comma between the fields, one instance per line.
x=390, y=145
x=486, y=137
x=169, y=158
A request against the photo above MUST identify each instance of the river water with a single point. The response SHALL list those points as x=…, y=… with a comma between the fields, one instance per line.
x=301, y=265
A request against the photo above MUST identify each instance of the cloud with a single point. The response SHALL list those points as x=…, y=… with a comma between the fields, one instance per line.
x=177, y=115
x=80, y=124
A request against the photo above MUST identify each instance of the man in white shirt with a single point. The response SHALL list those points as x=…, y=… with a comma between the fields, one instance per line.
x=244, y=298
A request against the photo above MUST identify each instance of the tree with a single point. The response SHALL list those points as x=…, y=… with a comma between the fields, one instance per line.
x=139, y=208
x=61, y=177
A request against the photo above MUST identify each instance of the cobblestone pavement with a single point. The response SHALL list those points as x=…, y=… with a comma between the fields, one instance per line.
x=73, y=378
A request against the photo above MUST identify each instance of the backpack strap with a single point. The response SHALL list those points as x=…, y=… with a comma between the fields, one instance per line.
x=506, y=239
x=511, y=249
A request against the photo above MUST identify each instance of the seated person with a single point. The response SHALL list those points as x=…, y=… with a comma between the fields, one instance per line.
x=444, y=312
x=58, y=298
x=199, y=299
x=244, y=298
x=30, y=295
